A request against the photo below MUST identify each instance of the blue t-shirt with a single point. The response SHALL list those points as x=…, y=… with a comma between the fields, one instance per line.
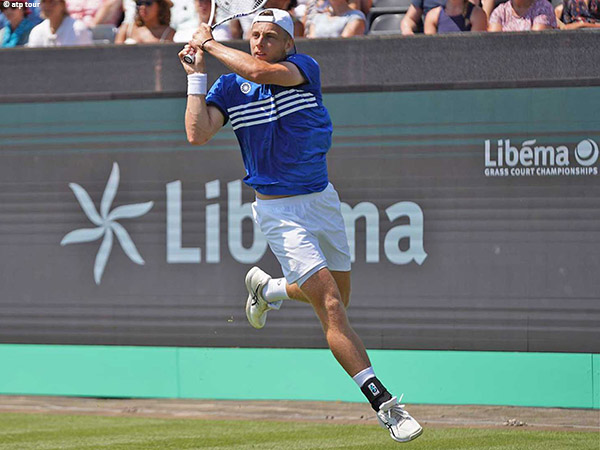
x=284, y=132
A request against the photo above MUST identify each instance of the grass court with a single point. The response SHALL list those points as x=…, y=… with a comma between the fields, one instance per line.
x=51, y=431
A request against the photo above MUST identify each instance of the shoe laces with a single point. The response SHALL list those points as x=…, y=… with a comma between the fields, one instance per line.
x=255, y=295
x=396, y=412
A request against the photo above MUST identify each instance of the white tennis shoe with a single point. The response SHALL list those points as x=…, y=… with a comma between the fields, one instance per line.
x=256, y=305
x=394, y=417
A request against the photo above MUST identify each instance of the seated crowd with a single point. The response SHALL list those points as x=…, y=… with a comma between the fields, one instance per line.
x=80, y=22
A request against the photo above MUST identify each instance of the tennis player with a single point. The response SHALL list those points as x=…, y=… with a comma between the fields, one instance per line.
x=273, y=101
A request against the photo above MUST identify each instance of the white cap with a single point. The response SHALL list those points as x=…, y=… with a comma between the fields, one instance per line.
x=279, y=17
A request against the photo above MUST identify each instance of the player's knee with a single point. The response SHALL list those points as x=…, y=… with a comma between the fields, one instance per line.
x=335, y=308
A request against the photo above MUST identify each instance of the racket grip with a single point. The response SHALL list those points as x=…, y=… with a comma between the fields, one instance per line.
x=189, y=59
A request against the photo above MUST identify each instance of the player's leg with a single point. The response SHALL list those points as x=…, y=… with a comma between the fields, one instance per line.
x=266, y=294
x=333, y=243
x=342, y=279
x=294, y=246
x=325, y=297
x=305, y=249
x=293, y=291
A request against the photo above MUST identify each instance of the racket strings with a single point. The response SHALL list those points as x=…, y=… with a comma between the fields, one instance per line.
x=233, y=7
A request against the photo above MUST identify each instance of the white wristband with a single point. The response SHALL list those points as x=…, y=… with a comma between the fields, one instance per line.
x=197, y=84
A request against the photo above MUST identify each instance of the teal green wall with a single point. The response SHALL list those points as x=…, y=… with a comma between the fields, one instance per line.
x=437, y=377
x=434, y=119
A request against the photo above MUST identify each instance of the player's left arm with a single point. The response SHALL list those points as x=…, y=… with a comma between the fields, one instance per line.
x=282, y=73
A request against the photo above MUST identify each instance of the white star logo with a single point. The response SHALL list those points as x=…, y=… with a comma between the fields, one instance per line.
x=106, y=223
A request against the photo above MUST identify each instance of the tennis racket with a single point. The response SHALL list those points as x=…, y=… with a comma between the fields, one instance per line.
x=233, y=9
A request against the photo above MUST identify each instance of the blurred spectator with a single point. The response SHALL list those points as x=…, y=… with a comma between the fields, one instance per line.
x=130, y=9
x=574, y=14
x=361, y=5
x=96, y=12
x=312, y=8
x=339, y=20
x=33, y=16
x=240, y=28
x=201, y=11
x=151, y=24
x=523, y=15
x=58, y=28
x=300, y=8
x=413, y=19
x=489, y=6
x=184, y=17
x=456, y=16
x=291, y=6
x=17, y=30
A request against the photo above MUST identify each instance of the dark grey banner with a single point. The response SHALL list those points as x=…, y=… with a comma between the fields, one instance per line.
x=473, y=217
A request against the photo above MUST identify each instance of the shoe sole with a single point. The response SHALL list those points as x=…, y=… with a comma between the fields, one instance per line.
x=248, y=281
x=412, y=437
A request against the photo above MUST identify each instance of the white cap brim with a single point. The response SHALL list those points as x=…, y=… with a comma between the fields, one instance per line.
x=279, y=17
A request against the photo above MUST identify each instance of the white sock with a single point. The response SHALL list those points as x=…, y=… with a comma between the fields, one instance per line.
x=361, y=377
x=275, y=290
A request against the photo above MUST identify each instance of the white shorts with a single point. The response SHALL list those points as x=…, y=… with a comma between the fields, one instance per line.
x=305, y=232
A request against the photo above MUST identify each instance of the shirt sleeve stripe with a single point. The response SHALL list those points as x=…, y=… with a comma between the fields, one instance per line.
x=274, y=118
x=272, y=111
x=261, y=102
x=272, y=100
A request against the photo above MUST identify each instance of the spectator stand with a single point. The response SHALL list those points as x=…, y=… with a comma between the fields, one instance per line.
x=104, y=34
x=386, y=24
x=497, y=3
x=381, y=7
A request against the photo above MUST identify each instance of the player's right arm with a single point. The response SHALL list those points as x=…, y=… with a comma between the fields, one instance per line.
x=201, y=120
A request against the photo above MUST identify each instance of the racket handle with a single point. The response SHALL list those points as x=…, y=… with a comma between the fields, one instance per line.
x=189, y=59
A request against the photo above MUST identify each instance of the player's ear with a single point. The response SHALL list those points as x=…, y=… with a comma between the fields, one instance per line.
x=289, y=44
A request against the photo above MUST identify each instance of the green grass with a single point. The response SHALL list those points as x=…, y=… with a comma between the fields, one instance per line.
x=40, y=432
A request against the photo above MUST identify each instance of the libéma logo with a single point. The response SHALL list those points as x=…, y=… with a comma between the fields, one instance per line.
x=532, y=159
x=106, y=223
x=403, y=242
